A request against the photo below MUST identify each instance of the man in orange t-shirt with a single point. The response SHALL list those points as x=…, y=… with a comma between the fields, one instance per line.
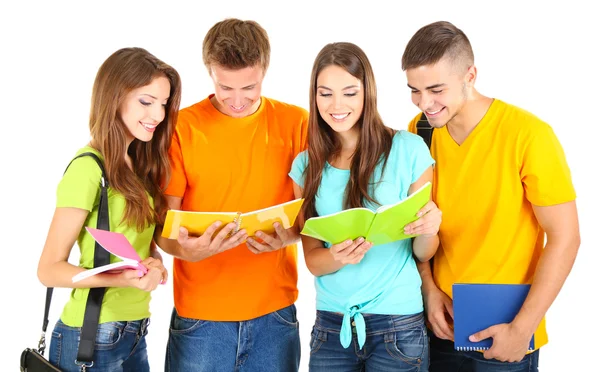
x=234, y=295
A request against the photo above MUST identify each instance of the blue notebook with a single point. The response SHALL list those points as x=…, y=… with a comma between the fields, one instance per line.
x=479, y=306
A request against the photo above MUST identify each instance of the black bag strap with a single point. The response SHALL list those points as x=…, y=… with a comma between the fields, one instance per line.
x=85, y=353
x=424, y=129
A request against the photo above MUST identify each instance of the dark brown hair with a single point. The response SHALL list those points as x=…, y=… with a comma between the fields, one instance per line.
x=235, y=44
x=125, y=70
x=435, y=41
x=374, y=142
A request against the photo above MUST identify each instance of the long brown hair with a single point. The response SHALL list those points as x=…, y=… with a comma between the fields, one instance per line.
x=374, y=142
x=123, y=71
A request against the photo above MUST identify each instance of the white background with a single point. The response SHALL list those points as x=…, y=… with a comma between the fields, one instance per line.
x=537, y=56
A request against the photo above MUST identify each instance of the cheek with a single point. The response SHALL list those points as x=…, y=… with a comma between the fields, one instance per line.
x=414, y=98
x=321, y=106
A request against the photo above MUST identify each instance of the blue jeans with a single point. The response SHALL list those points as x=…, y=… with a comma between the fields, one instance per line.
x=120, y=347
x=268, y=343
x=394, y=343
x=444, y=358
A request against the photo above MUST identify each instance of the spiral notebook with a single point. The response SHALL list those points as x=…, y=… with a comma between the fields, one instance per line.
x=479, y=306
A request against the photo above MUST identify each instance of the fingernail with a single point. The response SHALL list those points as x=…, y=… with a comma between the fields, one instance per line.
x=250, y=240
x=360, y=240
x=472, y=338
x=140, y=273
x=259, y=234
x=219, y=223
x=348, y=241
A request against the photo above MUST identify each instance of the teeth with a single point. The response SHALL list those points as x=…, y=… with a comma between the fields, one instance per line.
x=433, y=112
x=340, y=116
x=237, y=108
x=148, y=126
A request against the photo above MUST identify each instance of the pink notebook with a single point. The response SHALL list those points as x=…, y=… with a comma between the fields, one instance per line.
x=118, y=245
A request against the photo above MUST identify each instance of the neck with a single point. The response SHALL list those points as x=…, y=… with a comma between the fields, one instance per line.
x=469, y=116
x=348, y=140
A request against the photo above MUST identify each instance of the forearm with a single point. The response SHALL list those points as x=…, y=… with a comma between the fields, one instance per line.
x=60, y=275
x=170, y=246
x=552, y=270
x=426, y=274
x=424, y=247
x=320, y=261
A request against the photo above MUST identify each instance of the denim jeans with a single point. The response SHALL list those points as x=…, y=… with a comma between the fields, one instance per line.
x=120, y=347
x=444, y=358
x=394, y=343
x=269, y=343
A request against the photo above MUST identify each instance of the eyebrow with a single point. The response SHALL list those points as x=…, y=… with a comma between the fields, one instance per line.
x=247, y=86
x=348, y=87
x=429, y=87
x=149, y=95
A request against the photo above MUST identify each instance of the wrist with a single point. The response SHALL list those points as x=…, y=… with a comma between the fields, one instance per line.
x=525, y=323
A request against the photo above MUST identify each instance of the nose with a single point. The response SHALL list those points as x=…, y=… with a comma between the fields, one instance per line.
x=238, y=99
x=425, y=101
x=337, y=101
x=157, y=113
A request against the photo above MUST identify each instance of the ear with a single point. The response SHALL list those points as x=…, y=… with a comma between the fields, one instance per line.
x=471, y=76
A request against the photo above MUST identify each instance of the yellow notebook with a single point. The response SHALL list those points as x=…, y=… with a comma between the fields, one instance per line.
x=261, y=220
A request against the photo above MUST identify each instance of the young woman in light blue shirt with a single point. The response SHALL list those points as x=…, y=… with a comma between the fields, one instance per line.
x=369, y=304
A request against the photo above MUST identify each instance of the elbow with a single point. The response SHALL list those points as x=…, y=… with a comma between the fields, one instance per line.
x=43, y=277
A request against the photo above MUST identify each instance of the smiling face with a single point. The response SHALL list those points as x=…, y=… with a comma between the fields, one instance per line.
x=340, y=98
x=237, y=92
x=144, y=109
x=440, y=90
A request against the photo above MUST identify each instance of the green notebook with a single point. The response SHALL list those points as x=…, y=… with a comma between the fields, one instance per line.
x=385, y=225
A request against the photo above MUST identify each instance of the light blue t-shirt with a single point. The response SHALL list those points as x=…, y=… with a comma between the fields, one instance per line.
x=386, y=281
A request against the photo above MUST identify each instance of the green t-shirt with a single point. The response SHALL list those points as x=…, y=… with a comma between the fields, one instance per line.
x=80, y=188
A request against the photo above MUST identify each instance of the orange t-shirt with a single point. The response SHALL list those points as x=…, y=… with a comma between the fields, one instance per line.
x=225, y=164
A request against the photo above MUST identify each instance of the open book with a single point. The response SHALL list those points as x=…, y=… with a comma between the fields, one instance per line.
x=118, y=245
x=383, y=226
x=260, y=220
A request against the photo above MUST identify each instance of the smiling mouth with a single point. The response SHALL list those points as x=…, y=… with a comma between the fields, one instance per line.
x=237, y=108
x=149, y=127
x=433, y=113
x=340, y=117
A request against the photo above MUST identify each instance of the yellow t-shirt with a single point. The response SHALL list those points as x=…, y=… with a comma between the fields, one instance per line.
x=225, y=164
x=486, y=188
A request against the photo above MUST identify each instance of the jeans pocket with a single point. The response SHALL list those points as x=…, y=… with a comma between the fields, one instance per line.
x=108, y=335
x=317, y=339
x=181, y=325
x=286, y=316
x=409, y=345
x=55, y=347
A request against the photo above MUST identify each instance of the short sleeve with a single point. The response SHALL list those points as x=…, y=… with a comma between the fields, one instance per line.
x=420, y=156
x=544, y=172
x=178, y=181
x=80, y=185
x=298, y=167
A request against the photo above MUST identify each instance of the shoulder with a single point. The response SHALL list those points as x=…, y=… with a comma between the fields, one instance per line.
x=407, y=140
x=283, y=108
x=83, y=171
x=301, y=160
x=518, y=119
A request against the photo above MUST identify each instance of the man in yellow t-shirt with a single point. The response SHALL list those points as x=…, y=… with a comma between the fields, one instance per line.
x=234, y=295
x=503, y=184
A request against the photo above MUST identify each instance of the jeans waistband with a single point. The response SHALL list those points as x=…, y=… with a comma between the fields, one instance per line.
x=374, y=323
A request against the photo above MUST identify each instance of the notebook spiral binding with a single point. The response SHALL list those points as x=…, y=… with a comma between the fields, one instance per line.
x=472, y=348
x=238, y=223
